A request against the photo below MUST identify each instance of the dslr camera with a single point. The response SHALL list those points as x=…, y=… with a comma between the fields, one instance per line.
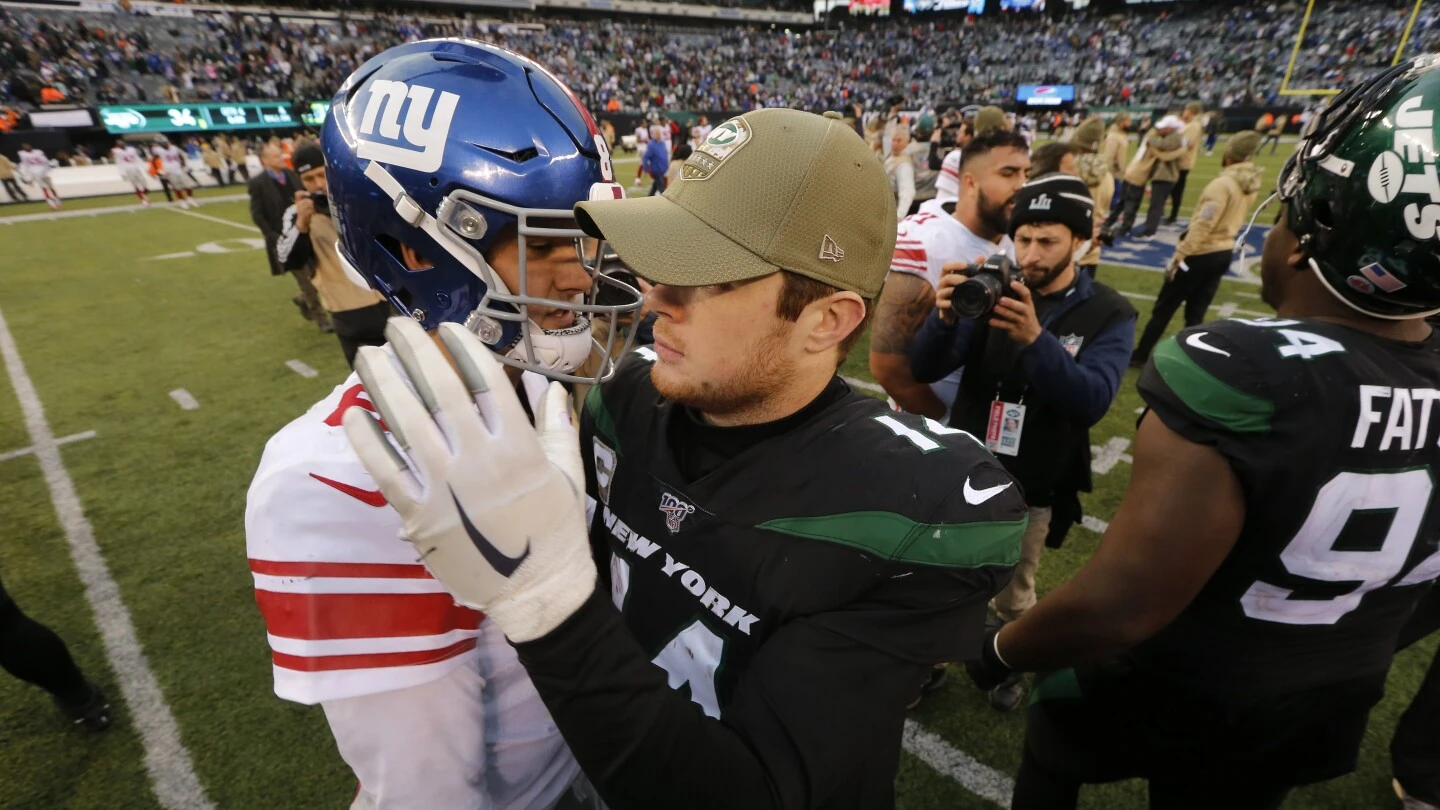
x=976, y=296
x=322, y=202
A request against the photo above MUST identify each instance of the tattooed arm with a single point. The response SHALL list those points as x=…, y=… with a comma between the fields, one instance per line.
x=904, y=302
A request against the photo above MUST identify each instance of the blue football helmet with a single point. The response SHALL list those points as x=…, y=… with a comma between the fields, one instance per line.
x=449, y=146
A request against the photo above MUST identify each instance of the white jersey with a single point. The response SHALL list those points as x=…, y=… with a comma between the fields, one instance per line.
x=127, y=158
x=642, y=134
x=947, y=183
x=925, y=243
x=172, y=160
x=33, y=163
x=131, y=165
x=427, y=701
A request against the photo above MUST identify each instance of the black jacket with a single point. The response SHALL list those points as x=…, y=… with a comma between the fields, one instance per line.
x=1068, y=378
x=268, y=201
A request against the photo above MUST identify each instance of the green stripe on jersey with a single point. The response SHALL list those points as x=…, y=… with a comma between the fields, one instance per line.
x=896, y=537
x=1209, y=396
x=604, y=423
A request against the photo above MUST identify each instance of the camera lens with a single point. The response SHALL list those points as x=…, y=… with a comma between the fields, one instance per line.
x=976, y=296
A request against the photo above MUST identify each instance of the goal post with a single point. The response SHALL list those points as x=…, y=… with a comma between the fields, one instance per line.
x=1287, y=90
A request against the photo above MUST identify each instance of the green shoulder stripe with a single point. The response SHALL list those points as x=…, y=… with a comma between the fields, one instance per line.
x=1209, y=396
x=604, y=423
x=896, y=537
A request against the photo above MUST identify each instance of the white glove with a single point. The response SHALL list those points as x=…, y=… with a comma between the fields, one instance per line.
x=494, y=506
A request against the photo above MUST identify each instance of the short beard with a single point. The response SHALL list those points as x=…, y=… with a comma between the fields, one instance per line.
x=994, y=217
x=765, y=375
x=1051, y=274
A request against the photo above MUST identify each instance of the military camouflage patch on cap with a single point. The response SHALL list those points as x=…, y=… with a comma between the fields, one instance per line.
x=724, y=141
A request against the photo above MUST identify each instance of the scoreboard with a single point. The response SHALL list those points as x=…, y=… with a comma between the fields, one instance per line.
x=123, y=120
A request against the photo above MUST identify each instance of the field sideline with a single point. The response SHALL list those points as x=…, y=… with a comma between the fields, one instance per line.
x=111, y=314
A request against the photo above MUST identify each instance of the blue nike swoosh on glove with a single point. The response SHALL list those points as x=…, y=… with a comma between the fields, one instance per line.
x=498, y=560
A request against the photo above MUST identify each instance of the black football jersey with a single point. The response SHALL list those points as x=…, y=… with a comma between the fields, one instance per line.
x=1329, y=431
x=800, y=592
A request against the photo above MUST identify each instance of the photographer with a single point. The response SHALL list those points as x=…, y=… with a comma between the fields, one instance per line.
x=1044, y=348
x=308, y=239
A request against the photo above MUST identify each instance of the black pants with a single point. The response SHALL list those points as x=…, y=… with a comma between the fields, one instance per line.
x=1159, y=193
x=1107, y=722
x=1125, y=210
x=13, y=189
x=1195, y=288
x=1273, y=139
x=360, y=327
x=1177, y=193
x=239, y=168
x=33, y=653
x=1415, y=748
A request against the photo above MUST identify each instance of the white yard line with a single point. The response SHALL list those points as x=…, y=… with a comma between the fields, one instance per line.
x=301, y=369
x=25, y=451
x=974, y=776
x=232, y=223
x=184, y=399
x=863, y=385
x=112, y=209
x=171, y=773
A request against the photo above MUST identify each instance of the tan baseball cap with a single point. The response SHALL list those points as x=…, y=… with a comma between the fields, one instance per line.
x=769, y=190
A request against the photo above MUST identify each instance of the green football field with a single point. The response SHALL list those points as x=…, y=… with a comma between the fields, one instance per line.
x=111, y=314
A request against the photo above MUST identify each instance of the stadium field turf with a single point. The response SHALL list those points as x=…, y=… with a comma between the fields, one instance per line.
x=111, y=314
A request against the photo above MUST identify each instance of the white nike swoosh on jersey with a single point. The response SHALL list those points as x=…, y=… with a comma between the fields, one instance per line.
x=1195, y=341
x=975, y=497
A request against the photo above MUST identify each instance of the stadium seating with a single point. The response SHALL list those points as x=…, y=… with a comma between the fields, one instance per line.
x=1226, y=56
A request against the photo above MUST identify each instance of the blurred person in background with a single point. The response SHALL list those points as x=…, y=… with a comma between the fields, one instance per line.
x=271, y=193
x=1154, y=163
x=656, y=160
x=1190, y=142
x=900, y=168
x=1116, y=149
x=1094, y=169
x=1203, y=255
x=131, y=165
x=33, y=653
x=307, y=244
x=213, y=162
x=7, y=178
x=172, y=167
x=238, y=155
x=35, y=168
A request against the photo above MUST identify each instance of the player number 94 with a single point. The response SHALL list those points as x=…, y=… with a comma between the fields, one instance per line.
x=1312, y=553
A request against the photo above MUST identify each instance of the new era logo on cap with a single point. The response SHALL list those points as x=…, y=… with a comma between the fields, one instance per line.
x=831, y=252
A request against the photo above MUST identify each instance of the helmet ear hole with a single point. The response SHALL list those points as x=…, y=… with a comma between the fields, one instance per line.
x=1322, y=214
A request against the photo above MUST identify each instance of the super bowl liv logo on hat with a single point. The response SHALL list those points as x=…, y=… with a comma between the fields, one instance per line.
x=724, y=141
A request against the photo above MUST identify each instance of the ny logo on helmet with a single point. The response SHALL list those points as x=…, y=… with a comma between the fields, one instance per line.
x=426, y=144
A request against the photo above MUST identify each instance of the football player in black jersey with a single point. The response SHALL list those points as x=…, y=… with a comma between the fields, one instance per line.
x=780, y=560
x=1233, y=629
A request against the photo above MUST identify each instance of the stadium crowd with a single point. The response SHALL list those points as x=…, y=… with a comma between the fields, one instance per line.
x=1223, y=56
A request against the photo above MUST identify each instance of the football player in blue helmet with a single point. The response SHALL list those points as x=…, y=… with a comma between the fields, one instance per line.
x=452, y=168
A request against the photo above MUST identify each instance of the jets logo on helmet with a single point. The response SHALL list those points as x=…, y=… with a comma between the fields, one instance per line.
x=420, y=165
x=1363, y=195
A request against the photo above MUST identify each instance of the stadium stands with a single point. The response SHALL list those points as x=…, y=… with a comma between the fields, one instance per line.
x=1226, y=56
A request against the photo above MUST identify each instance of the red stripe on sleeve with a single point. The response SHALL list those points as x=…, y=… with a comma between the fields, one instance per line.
x=332, y=569
x=912, y=255
x=322, y=616
x=327, y=663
